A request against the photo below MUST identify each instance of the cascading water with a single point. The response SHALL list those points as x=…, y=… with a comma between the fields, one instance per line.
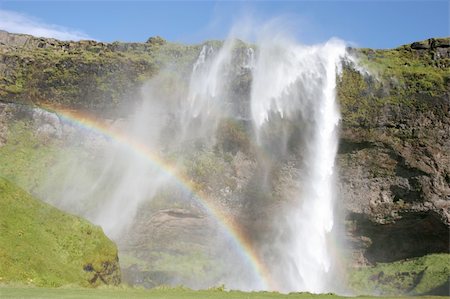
x=297, y=83
x=207, y=80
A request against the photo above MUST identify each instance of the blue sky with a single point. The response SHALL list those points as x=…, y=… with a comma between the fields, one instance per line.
x=375, y=24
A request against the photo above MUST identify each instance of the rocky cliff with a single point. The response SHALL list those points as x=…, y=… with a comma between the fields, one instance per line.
x=394, y=150
x=39, y=70
x=393, y=159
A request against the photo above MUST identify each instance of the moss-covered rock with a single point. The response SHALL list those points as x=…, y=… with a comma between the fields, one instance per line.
x=428, y=275
x=84, y=75
x=394, y=152
x=43, y=246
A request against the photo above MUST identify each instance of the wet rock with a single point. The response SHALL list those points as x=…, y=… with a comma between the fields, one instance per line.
x=47, y=124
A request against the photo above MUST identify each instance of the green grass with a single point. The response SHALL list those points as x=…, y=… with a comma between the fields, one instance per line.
x=398, y=77
x=25, y=159
x=40, y=165
x=407, y=72
x=158, y=293
x=43, y=246
x=414, y=276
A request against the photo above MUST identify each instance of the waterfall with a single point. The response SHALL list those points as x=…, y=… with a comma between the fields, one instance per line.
x=297, y=83
x=275, y=98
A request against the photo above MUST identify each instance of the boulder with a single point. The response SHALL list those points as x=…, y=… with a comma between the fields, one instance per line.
x=156, y=40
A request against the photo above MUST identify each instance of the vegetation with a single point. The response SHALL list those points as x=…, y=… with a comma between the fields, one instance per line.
x=24, y=159
x=166, y=293
x=43, y=246
x=401, y=77
x=104, y=77
x=87, y=74
x=420, y=276
x=30, y=160
x=232, y=137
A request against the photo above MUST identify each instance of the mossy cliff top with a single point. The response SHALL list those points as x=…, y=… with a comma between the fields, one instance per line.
x=104, y=76
x=43, y=246
x=411, y=76
x=86, y=74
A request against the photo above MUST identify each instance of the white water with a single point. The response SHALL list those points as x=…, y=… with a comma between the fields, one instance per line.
x=206, y=92
x=298, y=83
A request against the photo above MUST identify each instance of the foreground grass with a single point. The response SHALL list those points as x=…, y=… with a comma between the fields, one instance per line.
x=161, y=293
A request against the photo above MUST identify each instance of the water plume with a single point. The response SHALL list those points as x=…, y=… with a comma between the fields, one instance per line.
x=297, y=83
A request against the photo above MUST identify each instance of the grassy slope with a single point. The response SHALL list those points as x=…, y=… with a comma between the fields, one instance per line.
x=172, y=293
x=415, y=276
x=37, y=164
x=43, y=246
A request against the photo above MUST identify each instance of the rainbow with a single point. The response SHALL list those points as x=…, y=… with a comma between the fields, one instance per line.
x=227, y=224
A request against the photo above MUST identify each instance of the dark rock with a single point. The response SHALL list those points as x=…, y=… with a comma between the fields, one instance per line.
x=88, y=268
x=423, y=45
x=440, y=43
x=441, y=53
x=156, y=40
x=413, y=235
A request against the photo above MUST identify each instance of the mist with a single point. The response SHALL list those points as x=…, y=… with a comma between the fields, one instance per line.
x=252, y=127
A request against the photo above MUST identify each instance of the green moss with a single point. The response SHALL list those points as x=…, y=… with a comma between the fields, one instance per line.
x=43, y=246
x=40, y=165
x=417, y=276
x=406, y=71
x=90, y=78
x=205, y=168
x=398, y=77
x=24, y=159
x=232, y=137
x=355, y=101
x=91, y=75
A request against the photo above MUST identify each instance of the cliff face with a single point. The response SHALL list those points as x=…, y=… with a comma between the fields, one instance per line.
x=393, y=159
x=394, y=154
x=83, y=75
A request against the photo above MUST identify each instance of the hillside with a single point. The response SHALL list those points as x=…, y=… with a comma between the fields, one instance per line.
x=42, y=246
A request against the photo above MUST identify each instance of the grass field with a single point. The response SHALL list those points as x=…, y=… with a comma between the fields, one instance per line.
x=169, y=293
